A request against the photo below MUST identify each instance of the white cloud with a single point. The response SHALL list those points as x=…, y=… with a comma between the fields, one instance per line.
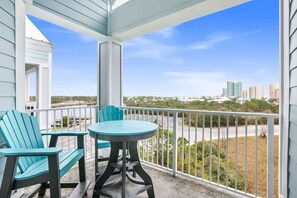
x=210, y=42
x=149, y=48
x=166, y=33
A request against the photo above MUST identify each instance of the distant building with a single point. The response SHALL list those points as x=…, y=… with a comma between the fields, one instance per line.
x=274, y=91
x=242, y=100
x=220, y=99
x=234, y=89
x=256, y=92
x=245, y=94
x=224, y=92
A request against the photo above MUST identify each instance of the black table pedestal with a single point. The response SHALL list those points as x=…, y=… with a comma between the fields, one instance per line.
x=134, y=163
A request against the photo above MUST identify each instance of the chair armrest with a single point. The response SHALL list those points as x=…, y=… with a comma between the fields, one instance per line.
x=30, y=152
x=66, y=133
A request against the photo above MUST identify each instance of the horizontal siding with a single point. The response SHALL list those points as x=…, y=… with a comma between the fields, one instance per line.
x=7, y=33
x=78, y=12
x=293, y=59
x=36, y=56
x=293, y=24
x=293, y=152
x=293, y=95
x=7, y=103
x=7, y=89
x=7, y=61
x=292, y=185
x=293, y=8
x=293, y=114
x=293, y=131
x=293, y=41
x=7, y=47
x=9, y=18
x=7, y=75
x=293, y=77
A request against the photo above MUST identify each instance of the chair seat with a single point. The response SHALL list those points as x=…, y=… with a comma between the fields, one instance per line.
x=66, y=161
x=103, y=144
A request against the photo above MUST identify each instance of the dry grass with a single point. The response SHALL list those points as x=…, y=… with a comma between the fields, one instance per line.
x=262, y=162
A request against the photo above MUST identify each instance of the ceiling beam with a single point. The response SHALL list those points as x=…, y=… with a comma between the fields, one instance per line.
x=139, y=17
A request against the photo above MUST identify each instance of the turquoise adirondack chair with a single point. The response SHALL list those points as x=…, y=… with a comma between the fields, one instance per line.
x=108, y=113
x=37, y=164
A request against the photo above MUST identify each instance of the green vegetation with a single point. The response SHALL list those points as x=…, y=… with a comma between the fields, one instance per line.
x=250, y=106
x=212, y=165
x=87, y=99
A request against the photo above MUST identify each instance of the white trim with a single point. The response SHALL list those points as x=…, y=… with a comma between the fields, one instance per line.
x=20, y=13
x=284, y=97
x=53, y=18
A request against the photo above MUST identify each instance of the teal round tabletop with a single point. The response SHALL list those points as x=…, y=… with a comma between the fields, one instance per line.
x=122, y=130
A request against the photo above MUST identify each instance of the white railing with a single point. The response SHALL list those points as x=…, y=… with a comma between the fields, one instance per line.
x=225, y=149
x=68, y=119
x=192, y=143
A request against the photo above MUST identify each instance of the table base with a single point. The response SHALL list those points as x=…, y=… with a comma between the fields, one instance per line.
x=113, y=164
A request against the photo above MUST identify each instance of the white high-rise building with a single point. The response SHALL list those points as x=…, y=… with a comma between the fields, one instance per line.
x=234, y=89
x=274, y=91
x=256, y=92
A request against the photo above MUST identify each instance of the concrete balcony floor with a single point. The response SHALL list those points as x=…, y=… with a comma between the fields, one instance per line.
x=165, y=185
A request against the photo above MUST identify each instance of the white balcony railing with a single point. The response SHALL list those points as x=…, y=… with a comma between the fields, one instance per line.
x=236, y=151
x=68, y=119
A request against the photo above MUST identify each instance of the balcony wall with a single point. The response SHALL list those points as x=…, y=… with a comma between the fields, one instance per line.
x=292, y=163
x=7, y=61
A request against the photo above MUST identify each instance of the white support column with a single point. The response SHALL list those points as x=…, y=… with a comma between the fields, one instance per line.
x=20, y=13
x=110, y=73
x=43, y=93
x=27, y=87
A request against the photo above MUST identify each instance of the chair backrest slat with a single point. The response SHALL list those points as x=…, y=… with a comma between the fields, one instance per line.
x=20, y=130
x=111, y=112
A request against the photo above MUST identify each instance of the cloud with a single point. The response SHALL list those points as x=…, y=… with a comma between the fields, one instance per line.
x=214, y=40
x=154, y=46
x=251, y=32
x=196, y=83
x=166, y=33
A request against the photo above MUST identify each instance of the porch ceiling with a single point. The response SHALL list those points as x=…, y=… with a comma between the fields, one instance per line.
x=124, y=19
x=138, y=17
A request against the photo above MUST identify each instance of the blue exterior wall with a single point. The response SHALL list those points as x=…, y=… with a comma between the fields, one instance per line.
x=91, y=14
x=7, y=61
x=292, y=162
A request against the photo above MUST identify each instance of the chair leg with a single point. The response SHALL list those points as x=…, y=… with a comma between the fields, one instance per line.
x=54, y=174
x=81, y=163
x=42, y=189
x=96, y=159
x=8, y=176
x=82, y=169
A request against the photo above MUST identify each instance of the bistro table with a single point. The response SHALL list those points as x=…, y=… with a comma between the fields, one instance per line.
x=123, y=135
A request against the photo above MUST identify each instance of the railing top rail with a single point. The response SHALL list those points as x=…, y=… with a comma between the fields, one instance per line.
x=204, y=112
x=62, y=108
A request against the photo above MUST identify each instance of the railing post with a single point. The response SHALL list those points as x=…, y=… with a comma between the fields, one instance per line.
x=270, y=157
x=174, y=164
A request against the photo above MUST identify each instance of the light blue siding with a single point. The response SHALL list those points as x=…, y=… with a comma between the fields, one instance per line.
x=292, y=162
x=7, y=62
x=36, y=56
x=91, y=14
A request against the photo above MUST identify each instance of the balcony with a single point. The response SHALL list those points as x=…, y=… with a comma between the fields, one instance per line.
x=194, y=154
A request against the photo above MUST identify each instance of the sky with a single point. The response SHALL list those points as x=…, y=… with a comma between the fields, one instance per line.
x=195, y=58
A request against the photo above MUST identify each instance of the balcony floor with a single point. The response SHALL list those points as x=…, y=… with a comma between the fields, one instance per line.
x=164, y=184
